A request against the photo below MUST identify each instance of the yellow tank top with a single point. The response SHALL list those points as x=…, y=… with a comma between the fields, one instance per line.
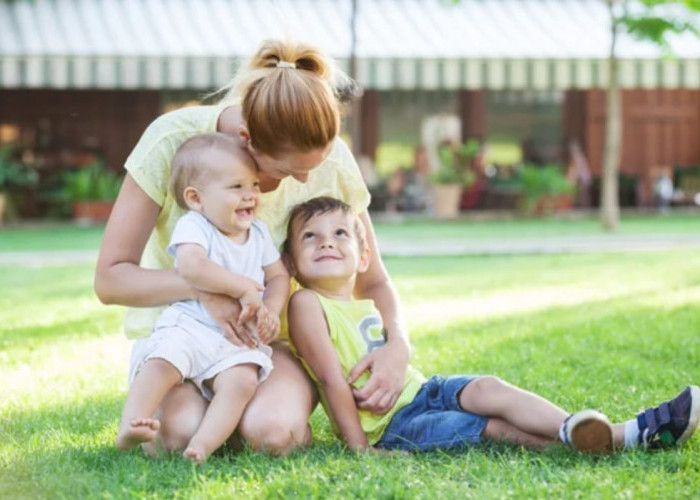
x=356, y=328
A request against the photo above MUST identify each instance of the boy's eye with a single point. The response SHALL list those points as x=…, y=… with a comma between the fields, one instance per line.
x=256, y=184
x=307, y=235
x=236, y=186
x=341, y=232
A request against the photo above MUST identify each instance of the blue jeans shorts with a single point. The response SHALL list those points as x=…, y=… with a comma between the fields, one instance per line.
x=434, y=419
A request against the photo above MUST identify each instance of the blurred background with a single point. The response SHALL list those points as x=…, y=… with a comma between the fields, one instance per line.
x=471, y=105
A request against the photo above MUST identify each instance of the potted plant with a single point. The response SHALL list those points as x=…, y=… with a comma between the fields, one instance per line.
x=91, y=190
x=545, y=189
x=453, y=174
x=13, y=175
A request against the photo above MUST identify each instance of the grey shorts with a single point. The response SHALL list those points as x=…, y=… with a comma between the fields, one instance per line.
x=198, y=352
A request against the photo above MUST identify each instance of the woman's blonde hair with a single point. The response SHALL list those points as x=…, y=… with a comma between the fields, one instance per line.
x=287, y=92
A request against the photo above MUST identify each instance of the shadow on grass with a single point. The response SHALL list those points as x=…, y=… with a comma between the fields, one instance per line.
x=91, y=326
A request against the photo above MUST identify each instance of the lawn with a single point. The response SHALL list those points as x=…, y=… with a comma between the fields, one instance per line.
x=609, y=331
x=58, y=236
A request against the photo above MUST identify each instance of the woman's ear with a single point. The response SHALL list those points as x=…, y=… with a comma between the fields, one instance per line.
x=191, y=197
x=244, y=134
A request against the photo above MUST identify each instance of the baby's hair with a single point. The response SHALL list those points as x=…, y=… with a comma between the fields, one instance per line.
x=188, y=167
x=289, y=94
x=321, y=205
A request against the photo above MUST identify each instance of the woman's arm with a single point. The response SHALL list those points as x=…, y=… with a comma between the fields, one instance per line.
x=388, y=363
x=309, y=332
x=119, y=279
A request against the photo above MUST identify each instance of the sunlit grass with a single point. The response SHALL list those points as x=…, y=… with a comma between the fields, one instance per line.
x=609, y=331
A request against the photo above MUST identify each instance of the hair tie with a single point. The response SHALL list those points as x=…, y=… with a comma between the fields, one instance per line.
x=286, y=64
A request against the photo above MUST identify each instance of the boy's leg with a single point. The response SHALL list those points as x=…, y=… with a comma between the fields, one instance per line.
x=233, y=388
x=492, y=397
x=501, y=431
x=532, y=415
x=148, y=389
x=667, y=425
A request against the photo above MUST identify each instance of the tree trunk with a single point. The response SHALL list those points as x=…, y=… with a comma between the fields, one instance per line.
x=609, y=198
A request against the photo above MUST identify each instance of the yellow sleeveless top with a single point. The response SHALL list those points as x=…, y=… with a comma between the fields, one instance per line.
x=355, y=328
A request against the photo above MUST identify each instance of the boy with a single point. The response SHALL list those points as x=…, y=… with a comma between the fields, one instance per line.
x=219, y=247
x=325, y=249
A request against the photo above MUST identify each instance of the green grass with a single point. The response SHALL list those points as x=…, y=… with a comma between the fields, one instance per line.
x=69, y=237
x=41, y=237
x=614, y=331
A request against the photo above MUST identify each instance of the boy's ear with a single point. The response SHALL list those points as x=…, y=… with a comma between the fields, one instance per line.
x=365, y=258
x=191, y=197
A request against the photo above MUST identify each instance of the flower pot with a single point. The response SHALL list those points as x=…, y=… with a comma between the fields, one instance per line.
x=92, y=212
x=446, y=198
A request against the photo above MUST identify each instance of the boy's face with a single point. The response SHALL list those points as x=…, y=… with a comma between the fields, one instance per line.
x=326, y=250
x=228, y=193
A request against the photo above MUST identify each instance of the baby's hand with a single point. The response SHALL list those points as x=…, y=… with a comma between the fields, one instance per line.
x=251, y=302
x=268, y=325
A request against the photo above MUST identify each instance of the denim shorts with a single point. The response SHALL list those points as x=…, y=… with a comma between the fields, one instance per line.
x=434, y=419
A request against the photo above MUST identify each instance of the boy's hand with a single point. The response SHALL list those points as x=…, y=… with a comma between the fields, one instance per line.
x=268, y=325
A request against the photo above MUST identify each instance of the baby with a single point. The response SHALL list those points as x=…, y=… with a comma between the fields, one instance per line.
x=221, y=248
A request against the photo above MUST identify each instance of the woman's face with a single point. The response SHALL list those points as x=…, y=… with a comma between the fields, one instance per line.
x=295, y=164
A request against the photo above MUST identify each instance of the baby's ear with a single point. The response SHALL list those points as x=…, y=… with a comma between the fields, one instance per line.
x=191, y=197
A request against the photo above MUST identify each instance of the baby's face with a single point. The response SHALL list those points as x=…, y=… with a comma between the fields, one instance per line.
x=326, y=250
x=229, y=193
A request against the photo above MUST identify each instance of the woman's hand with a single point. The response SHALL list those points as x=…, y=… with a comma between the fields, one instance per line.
x=388, y=363
x=225, y=311
x=388, y=371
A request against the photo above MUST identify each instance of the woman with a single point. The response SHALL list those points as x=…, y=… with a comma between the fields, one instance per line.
x=283, y=109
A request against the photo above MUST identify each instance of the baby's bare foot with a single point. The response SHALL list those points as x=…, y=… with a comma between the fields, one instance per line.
x=195, y=454
x=139, y=430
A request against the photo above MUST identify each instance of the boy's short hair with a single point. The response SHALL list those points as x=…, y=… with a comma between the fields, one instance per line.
x=186, y=170
x=321, y=205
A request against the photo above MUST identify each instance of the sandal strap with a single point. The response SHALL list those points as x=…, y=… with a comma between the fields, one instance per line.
x=656, y=419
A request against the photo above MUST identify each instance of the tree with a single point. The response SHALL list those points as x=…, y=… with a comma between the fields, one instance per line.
x=650, y=20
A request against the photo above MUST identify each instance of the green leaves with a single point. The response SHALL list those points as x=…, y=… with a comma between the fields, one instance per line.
x=96, y=182
x=456, y=163
x=13, y=173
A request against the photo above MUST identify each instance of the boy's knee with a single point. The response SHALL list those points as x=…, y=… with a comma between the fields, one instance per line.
x=488, y=384
x=275, y=436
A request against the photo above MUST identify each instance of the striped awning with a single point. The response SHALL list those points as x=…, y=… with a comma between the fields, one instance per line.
x=404, y=44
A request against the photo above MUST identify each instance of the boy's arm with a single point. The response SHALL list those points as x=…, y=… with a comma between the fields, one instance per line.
x=276, y=287
x=196, y=269
x=309, y=332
